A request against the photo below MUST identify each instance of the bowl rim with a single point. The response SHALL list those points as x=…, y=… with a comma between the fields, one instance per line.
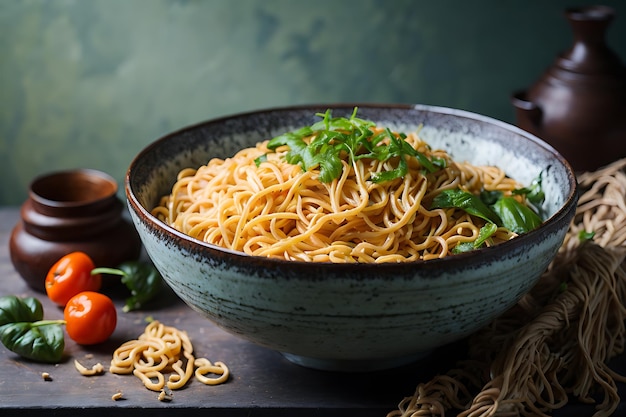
x=565, y=213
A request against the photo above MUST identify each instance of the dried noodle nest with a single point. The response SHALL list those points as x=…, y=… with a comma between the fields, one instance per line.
x=554, y=344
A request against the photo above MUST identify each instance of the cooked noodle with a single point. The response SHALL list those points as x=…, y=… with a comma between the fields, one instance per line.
x=277, y=210
x=556, y=342
x=160, y=350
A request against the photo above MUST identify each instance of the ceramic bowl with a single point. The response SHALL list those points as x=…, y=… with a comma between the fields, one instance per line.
x=352, y=317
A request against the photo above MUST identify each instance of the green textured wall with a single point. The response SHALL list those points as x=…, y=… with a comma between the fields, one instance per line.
x=89, y=83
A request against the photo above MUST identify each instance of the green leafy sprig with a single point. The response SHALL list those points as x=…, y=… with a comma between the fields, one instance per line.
x=142, y=279
x=334, y=138
x=495, y=208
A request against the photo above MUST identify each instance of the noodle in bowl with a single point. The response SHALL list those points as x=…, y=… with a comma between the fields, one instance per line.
x=353, y=316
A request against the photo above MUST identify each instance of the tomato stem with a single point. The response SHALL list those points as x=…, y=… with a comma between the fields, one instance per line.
x=47, y=323
x=110, y=271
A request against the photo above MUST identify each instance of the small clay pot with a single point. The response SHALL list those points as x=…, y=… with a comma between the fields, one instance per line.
x=71, y=211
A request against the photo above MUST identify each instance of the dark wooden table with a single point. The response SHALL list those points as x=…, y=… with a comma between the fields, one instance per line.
x=262, y=382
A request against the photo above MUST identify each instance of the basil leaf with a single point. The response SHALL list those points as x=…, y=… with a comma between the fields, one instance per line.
x=463, y=247
x=515, y=216
x=439, y=162
x=467, y=202
x=15, y=309
x=144, y=282
x=490, y=197
x=484, y=233
x=40, y=341
x=534, y=193
x=142, y=279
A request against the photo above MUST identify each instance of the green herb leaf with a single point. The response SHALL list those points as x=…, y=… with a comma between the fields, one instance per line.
x=439, y=162
x=330, y=166
x=490, y=197
x=259, y=160
x=464, y=247
x=584, y=235
x=334, y=138
x=534, y=192
x=142, y=279
x=15, y=309
x=41, y=341
x=384, y=176
x=515, y=216
x=144, y=282
x=470, y=203
x=484, y=233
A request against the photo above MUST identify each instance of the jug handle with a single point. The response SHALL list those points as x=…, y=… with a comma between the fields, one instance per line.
x=528, y=113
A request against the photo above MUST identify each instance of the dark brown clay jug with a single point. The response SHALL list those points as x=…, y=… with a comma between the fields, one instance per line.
x=71, y=211
x=579, y=104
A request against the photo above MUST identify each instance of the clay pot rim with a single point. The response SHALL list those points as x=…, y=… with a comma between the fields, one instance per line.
x=105, y=189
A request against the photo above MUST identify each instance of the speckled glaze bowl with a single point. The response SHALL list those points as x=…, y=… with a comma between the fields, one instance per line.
x=352, y=317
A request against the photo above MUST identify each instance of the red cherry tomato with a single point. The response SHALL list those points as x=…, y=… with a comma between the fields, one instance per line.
x=71, y=275
x=90, y=318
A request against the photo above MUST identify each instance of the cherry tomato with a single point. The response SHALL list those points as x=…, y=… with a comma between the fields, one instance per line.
x=71, y=275
x=90, y=318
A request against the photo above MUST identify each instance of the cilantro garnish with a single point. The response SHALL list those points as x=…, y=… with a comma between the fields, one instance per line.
x=337, y=138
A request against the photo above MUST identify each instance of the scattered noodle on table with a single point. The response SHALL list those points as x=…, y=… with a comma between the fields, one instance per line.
x=162, y=350
x=556, y=342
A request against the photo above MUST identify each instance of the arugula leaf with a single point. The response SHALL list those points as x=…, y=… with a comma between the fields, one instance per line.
x=334, y=137
x=330, y=166
x=398, y=172
x=470, y=203
x=297, y=146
